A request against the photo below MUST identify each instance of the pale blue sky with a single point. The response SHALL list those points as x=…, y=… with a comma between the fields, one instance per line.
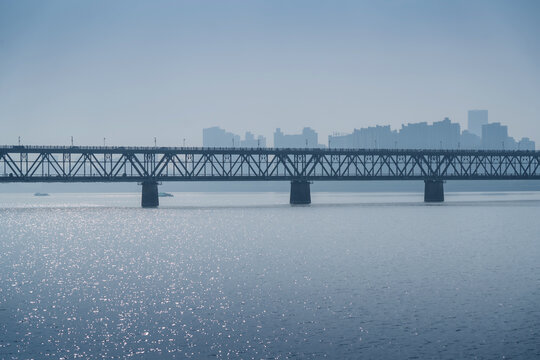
x=132, y=70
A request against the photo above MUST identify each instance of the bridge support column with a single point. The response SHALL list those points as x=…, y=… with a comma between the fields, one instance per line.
x=433, y=191
x=150, y=196
x=300, y=192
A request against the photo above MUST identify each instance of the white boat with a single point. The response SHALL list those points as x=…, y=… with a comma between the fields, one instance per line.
x=41, y=194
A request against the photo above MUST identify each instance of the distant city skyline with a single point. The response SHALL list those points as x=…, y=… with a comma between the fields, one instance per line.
x=445, y=134
x=215, y=136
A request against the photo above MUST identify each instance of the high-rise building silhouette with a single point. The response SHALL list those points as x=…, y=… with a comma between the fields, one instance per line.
x=307, y=139
x=444, y=135
x=251, y=141
x=495, y=137
x=374, y=137
x=526, y=144
x=414, y=136
x=217, y=137
x=476, y=119
x=470, y=141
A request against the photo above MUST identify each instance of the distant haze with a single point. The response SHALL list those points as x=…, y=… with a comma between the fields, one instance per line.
x=129, y=71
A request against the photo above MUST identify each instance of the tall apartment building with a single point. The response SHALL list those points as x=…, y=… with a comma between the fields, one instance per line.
x=217, y=137
x=477, y=119
x=495, y=137
x=307, y=139
x=252, y=142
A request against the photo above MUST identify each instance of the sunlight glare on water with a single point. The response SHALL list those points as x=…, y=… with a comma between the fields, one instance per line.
x=246, y=275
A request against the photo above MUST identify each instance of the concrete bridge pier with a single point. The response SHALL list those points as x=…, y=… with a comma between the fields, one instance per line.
x=150, y=197
x=300, y=192
x=433, y=191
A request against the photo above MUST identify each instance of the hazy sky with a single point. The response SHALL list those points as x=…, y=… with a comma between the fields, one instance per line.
x=132, y=70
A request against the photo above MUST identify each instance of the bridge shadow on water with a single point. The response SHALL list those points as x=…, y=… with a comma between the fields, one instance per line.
x=247, y=201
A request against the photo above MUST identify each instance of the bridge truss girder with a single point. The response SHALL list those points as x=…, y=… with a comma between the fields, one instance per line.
x=119, y=164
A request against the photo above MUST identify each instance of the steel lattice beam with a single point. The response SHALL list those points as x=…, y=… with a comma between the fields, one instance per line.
x=117, y=164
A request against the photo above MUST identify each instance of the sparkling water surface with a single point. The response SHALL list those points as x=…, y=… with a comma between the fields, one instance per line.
x=245, y=275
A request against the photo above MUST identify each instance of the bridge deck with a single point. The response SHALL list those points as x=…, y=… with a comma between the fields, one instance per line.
x=121, y=164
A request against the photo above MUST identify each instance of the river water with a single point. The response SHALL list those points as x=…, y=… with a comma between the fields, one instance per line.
x=245, y=275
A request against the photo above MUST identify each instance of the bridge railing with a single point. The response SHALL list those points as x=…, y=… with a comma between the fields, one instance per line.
x=158, y=149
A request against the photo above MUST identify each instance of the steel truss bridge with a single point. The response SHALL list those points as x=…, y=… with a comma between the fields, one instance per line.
x=150, y=165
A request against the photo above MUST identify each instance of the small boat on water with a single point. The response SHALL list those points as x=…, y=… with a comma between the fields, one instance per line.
x=41, y=194
x=164, y=194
